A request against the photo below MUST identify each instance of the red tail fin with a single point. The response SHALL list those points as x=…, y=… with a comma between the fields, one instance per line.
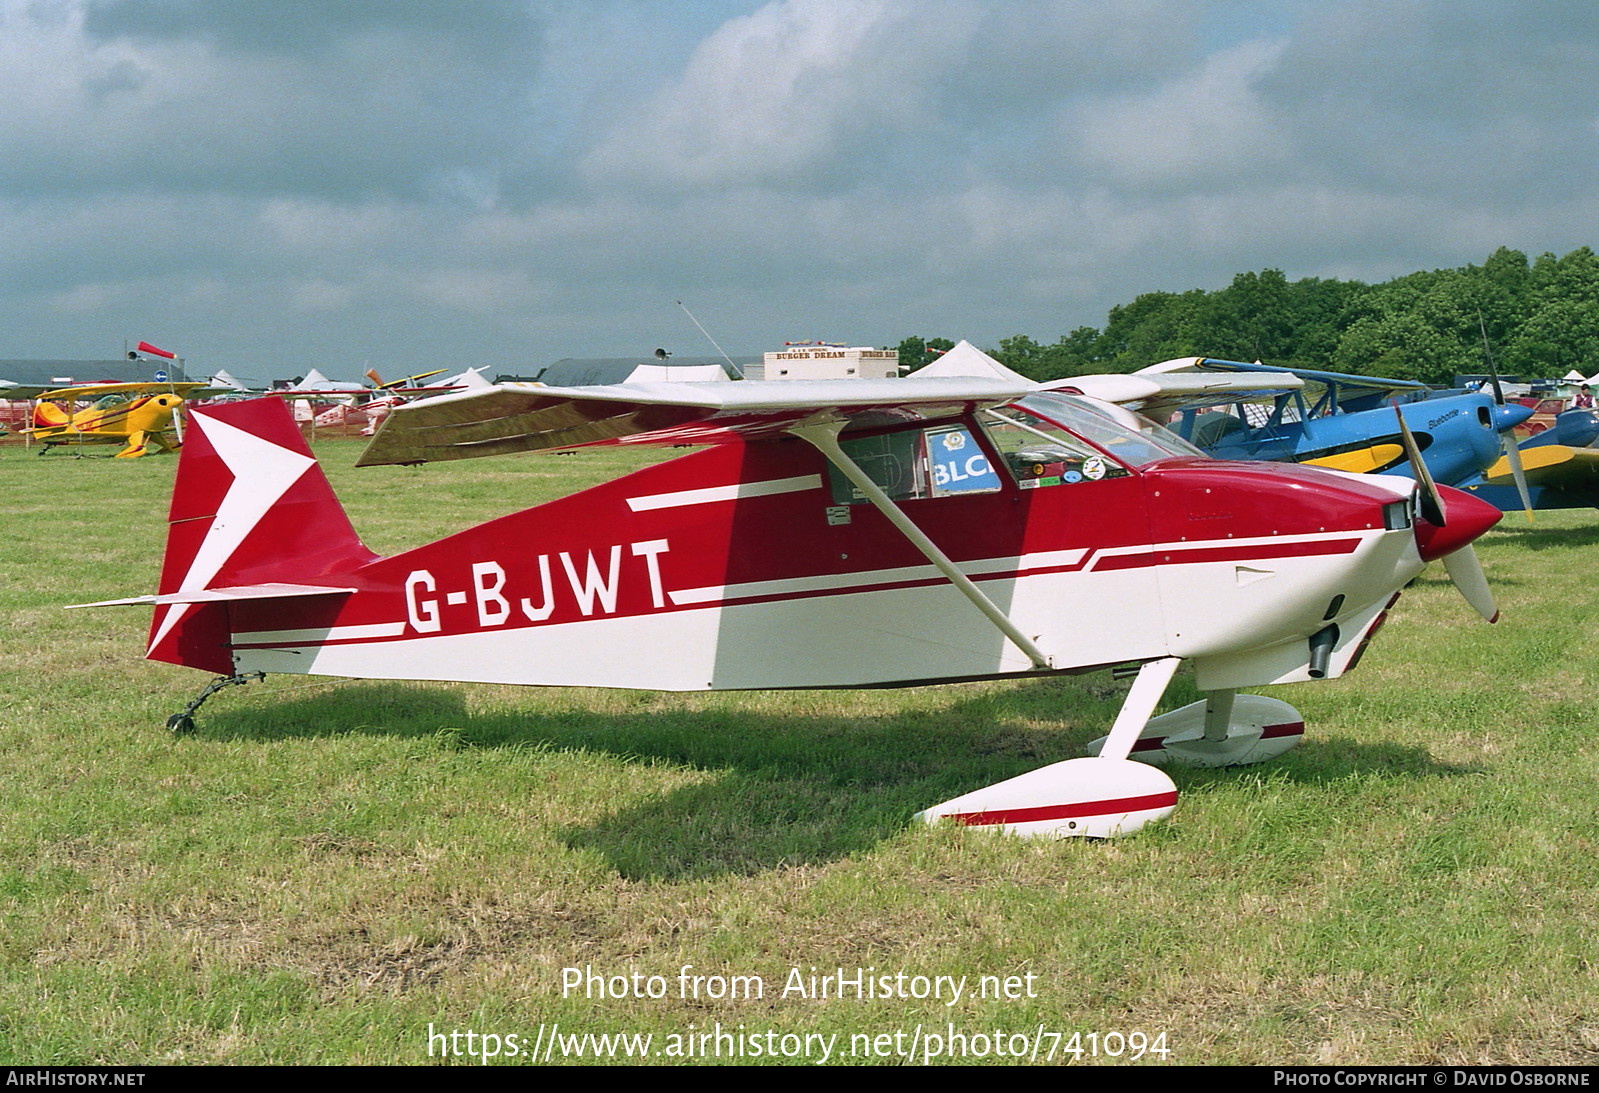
x=250, y=506
x=47, y=414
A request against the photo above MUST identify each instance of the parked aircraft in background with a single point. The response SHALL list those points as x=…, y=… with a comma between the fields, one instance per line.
x=1560, y=463
x=1347, y=422
x=142, y=417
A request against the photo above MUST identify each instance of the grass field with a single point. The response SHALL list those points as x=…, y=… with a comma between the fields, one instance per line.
x=324, y=873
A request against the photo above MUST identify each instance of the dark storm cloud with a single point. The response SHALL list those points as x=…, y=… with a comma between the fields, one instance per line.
x=490, y=181
x=351, y=100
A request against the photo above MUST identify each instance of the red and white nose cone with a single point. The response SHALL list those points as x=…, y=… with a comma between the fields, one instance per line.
x=1467, y=517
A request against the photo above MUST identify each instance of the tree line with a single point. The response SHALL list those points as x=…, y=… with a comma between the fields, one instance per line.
x=1537, y=318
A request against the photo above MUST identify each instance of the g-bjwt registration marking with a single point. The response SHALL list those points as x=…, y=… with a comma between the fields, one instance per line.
x=594, y=591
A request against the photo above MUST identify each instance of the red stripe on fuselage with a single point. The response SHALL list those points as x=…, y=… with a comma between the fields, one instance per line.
x=796, y=546
x=1198, y=554
x=1093, y=561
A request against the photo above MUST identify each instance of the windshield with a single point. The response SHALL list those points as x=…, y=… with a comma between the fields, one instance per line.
x=1131, y=438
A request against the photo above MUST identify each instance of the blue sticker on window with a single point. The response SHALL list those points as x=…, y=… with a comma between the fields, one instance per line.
x=959, y=465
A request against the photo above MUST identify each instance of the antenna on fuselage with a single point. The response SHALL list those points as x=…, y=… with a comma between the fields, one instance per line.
x=737, y=371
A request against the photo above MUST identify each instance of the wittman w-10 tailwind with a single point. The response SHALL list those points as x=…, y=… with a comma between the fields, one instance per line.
x=963, y=523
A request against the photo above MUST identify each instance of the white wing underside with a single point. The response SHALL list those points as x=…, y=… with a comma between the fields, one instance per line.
x=513, y=417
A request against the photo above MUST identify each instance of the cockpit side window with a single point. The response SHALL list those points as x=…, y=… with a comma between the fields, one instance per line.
x=1039, y=453
x=942, y=460
x=1131, y=438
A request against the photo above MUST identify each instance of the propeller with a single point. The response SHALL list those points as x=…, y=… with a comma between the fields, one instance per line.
x=1507, y=438
x=1462, y=565
x=1432, y=502
x=1465, y=571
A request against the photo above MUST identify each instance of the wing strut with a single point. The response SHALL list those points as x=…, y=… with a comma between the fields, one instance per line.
x=824, y=437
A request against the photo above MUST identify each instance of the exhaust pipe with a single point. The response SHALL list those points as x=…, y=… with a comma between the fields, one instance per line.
x=1321, y=647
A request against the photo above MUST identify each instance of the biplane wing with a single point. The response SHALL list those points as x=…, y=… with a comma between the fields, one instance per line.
x=1558, y=475
x=1159, y=394
x=1345, y=422
x=1551, y=465
x=1353, y=392
x=85, y=391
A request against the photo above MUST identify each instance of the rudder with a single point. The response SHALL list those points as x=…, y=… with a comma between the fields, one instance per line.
x=250, y=506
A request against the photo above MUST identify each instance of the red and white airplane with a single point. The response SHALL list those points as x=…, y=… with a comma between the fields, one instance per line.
x=962, y=523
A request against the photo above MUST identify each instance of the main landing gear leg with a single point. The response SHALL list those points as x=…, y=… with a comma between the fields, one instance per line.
x=1224, y=729
x=184, y=722
x=1100, y=797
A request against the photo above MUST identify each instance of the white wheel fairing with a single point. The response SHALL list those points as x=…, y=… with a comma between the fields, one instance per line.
x=1259, y=729
x=1090, y=797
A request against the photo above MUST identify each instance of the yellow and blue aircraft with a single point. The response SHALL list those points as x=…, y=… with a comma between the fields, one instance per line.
x=1347, y=423
x=142, y=417
x=1561, y=468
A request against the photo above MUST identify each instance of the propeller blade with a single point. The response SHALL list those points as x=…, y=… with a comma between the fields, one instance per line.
x=1432, y=505
x=1466, y=572
x=1499, y=390
x=1518, y=472
x=1493, y=371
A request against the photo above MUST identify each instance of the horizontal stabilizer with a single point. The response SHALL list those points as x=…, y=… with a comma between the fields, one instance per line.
x=221, y=595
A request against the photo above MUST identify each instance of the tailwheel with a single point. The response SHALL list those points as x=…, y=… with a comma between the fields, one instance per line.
x=183, y=723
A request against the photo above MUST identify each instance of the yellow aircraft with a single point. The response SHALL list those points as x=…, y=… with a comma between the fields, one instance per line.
x=139, y=416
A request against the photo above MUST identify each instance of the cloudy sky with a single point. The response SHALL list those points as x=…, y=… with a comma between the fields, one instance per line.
x=270, y=186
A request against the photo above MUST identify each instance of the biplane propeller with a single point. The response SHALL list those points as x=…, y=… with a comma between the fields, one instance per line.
x=962, y=523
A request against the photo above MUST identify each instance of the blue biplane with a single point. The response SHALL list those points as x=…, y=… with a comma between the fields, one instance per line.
x=1347, y=422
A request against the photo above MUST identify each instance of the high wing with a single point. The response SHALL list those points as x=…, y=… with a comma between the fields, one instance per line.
x=17, y=392
x=526, y=417
x=519, y=418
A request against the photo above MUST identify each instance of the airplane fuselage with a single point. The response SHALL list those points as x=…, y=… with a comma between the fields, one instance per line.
x=753, y=565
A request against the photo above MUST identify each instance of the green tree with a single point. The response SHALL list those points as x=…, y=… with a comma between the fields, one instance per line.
x=914, y=352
